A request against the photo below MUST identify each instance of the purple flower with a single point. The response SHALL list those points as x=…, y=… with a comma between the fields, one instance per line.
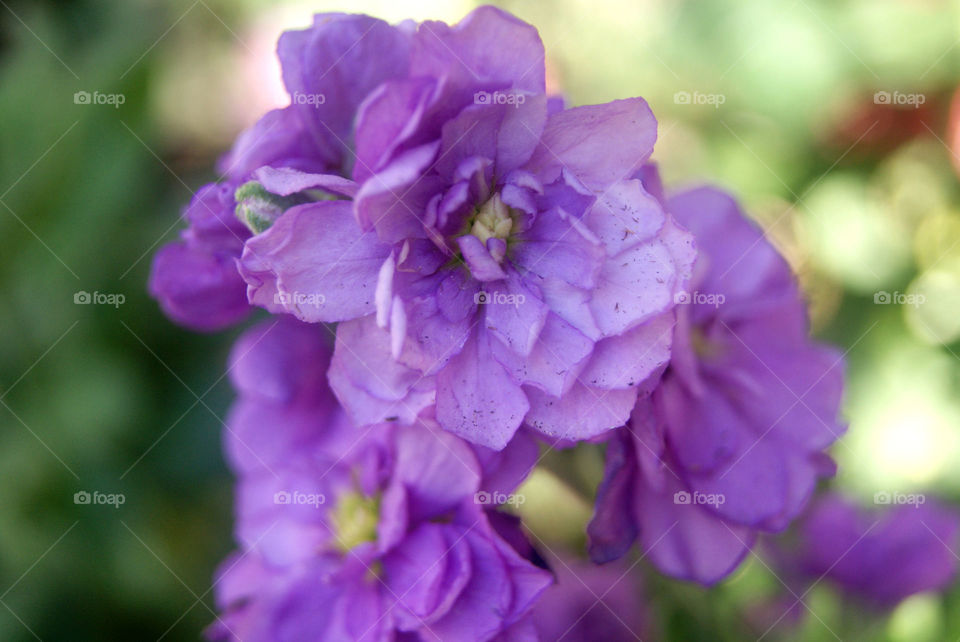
x=391, y=541
x=730, y=443
x=496, y=259
x=881, y=557
x=359, y=534
x=196, y=279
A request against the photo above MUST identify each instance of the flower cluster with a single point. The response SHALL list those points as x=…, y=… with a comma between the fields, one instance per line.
x=501, y=271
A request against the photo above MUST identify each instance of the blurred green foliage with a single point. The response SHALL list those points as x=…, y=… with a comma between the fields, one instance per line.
x=862, y=198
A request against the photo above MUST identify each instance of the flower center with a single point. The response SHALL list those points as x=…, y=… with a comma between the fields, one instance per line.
x=493, y=220
x=355, y=520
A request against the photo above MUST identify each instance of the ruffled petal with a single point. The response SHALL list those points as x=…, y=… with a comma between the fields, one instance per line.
x=198, y=289
x=330, y=68
x=582, y=412
x=599, y=144
x=476, y=398
x=314, y=262
x=373, y=386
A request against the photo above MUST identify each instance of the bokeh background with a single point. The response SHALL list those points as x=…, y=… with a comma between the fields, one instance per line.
x=776, y=100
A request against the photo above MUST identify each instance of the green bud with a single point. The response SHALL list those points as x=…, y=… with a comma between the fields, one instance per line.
x=258, y=209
